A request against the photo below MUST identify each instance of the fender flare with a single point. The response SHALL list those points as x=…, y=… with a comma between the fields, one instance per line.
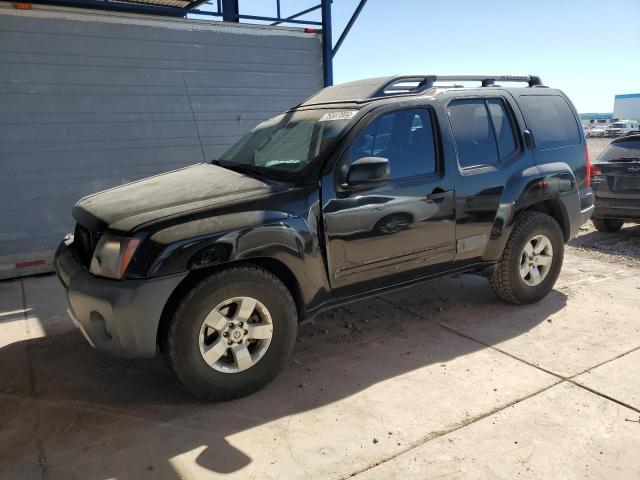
x=551, y=188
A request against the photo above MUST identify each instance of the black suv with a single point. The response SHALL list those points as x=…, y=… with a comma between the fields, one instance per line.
x=362, y=188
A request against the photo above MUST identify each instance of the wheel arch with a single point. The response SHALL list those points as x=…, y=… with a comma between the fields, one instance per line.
x=272, y=265
x=556, y=210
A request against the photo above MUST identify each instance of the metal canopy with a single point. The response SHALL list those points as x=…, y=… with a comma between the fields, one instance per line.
x=229, y=11
x=163, y=3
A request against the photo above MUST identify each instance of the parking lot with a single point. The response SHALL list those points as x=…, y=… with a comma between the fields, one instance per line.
x=441, y=380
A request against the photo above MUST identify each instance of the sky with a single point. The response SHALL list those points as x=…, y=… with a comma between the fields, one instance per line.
x=590, y=49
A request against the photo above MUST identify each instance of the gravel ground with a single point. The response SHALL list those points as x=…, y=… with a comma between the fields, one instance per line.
x=596, y=145
x=616, y=248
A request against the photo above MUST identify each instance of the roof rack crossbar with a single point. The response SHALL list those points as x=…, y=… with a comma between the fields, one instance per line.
x=488, y=80
x=397, y=85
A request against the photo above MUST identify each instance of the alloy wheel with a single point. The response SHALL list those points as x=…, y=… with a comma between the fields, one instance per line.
x=236, y=334
x=536, y=260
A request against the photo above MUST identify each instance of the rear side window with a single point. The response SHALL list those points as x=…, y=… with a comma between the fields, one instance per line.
x=503, y=127
x=483, y=131
x=551, y=120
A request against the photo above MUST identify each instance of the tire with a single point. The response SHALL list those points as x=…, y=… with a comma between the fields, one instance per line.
x=394, y=223
x=610, y=225
x=185, y=344
x=529, y=230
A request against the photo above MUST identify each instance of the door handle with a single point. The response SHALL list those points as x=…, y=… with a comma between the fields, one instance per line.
x=438, y=195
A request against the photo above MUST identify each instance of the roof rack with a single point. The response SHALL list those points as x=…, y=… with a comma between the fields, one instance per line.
x=372, y=88
x=401, y=84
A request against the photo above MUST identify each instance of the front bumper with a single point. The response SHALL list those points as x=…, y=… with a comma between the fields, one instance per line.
x=120, y=317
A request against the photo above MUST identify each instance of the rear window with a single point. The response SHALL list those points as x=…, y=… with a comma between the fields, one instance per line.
x=627, y=151
x=551, y=120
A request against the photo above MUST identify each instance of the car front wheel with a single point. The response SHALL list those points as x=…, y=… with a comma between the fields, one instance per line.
x=232, y=334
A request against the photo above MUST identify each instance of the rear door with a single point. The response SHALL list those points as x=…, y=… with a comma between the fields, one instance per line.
x=487, y=134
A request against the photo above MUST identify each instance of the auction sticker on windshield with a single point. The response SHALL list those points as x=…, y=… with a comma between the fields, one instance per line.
x=346, y=115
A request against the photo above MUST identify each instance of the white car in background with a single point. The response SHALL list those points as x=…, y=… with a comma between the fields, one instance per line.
x=621, y=128
x=597, y=131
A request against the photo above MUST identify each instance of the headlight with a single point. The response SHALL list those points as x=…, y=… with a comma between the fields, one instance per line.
x=112, y=256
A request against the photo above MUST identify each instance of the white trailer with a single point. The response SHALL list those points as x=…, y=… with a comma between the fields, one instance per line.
x=93, y=99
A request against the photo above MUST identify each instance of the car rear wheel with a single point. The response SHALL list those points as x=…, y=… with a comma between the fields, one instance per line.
x=394, y=223
x=232, y=334
x=531, y=261
x=610, y=225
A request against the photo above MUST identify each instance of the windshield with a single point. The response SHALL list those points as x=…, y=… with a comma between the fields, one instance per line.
x=628, y=150
x=616, y=125
x=287, y=143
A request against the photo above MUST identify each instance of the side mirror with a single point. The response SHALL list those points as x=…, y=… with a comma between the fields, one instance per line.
x=368, y=170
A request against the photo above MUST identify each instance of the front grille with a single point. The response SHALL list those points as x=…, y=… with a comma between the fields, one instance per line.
x=85, y=242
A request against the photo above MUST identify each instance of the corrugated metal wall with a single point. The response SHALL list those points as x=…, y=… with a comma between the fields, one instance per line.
x=89, y=101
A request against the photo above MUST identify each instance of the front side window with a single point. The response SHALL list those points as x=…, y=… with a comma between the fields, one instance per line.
x=287, y=143
x=551, y=120
x=404, y=137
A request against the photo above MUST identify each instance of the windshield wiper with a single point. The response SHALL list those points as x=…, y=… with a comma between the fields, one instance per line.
x=624, y=160
x=236, y=167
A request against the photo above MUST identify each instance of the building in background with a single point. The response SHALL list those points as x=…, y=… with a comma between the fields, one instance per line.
x=627, y=107
x=596, y=118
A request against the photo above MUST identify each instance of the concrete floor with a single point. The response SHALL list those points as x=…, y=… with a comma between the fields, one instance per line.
x=442, y=380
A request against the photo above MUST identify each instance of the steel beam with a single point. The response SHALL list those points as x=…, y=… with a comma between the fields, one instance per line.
x=296, y=15
x=346, y=30
x=230, y=11
x=327, y=44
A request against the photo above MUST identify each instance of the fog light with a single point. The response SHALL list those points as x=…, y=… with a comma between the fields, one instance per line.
x=100, y=325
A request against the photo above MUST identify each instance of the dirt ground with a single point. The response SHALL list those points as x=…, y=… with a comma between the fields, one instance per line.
x=437, y=381
x=596, y=145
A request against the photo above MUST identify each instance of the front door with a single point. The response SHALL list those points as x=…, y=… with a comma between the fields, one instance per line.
x=397, y=230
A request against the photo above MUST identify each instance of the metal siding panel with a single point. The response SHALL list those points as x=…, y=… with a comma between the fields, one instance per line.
x=87, y=105
x=627, y=107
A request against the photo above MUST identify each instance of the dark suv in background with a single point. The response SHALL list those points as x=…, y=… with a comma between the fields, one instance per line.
x=615, y=176
x=363, y=188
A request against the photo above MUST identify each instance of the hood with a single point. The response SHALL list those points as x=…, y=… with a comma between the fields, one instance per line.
x=200, y=186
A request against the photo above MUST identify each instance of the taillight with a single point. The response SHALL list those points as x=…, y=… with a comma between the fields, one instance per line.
x=595, y=170
x=587, y=162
